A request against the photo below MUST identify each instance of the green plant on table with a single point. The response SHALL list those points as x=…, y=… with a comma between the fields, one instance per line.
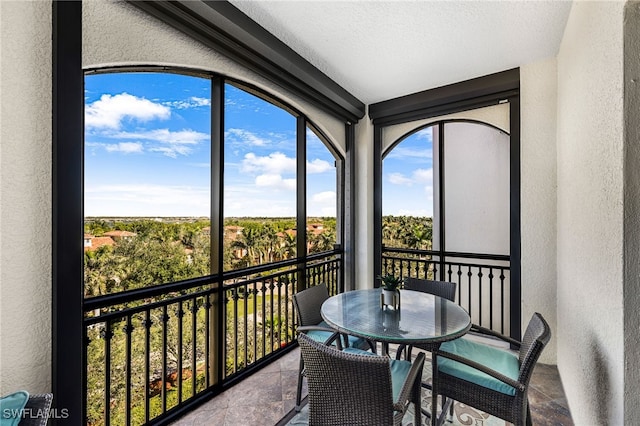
x=390, y=282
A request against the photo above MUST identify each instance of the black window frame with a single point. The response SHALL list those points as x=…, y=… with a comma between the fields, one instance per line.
x=472, y=94
x=68, y=304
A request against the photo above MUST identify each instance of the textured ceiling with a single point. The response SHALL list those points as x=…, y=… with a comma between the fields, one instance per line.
x=379, y=50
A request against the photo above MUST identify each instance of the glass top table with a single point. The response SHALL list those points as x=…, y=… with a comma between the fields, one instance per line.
x=420, y=319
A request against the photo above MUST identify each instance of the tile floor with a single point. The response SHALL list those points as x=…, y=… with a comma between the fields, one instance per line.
x=268, y=395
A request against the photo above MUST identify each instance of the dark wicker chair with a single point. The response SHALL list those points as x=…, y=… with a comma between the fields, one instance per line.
x=501, y=391
x=37, y=410
x=359, y=388
x=439, y=288
x=307, y=304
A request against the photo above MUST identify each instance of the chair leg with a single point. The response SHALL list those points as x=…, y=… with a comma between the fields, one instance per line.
x=399, y=351
x=451, y=409
x=299, y=389
x=417, y=405
x=528, y=420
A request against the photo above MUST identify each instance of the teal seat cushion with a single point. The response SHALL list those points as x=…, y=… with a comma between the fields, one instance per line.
x=357, y=351
x=11, y=407
x=322, y=336
x=496, y=359
x=399, y=370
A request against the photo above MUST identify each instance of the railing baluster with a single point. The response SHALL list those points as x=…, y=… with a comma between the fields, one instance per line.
x=502, y=300
x=271, y=302
x=279, y=285
x=234, y=301
x=127, y=408
x=165, y=320
x=286, y=308
x=194, y=345
x=180, y=350
x=264, y=319
x=147, y=362
x=469, y=274
x=255, y=322
x=480, y=296
x=207, y=327
x=107, y=335
x=245, y=304
x=491, y=298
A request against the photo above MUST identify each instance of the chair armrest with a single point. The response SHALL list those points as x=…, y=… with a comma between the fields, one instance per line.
x=415, y=373
x=486, y=331
x=330, y=340
x=514, y=383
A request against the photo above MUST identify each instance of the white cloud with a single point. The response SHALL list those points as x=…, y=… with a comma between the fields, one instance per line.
x=400, y=179
x=324, y=197
x=279, y=163
x=110, y=110
x=172, y=151
x=241, y=200
x=318, y=166
x=192, y=102
x=417, y=176
x=275, y=163
x=146, y=200
x=322, y=204
x=423, y=175
x=175, y=143
x=425, y=133
x=410, y=153
x=244, y=137
x=275, y=181
x=185, y=136
x=125, y=147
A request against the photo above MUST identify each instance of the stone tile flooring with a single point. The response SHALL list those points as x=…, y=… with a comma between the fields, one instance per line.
x=268, y=395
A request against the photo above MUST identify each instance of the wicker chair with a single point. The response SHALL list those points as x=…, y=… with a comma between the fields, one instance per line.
x=307, y=304
x=359, y=388
x=502, y=389
x=443, y=289
x=38, y=407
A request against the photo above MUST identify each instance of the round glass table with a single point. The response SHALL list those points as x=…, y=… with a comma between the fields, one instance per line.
x=420, y=318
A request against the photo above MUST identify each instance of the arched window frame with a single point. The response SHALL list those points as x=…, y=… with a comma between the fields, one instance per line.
x=68, y=353
x=464, y=96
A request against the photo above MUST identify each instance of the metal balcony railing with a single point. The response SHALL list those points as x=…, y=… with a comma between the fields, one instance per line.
x=152, y=353
x=483, y=281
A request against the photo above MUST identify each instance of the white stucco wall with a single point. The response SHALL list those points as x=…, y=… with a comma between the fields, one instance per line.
x=538, y=94
x=25, y=196
x=632, y=212
x=117, y=33
x=364, y=204
x=590, y=213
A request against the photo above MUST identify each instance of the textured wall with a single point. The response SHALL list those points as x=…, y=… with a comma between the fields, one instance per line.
x=590, y=213
x=364, y=204
x=538, y=90
x=25, y=196
x=632, y=212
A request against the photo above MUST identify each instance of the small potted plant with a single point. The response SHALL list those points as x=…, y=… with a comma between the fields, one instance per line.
x=390, y=286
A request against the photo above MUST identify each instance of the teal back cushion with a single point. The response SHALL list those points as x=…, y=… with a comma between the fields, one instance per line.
x=11, y=407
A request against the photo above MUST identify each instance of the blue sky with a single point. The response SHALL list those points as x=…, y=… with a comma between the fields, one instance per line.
x=147, y=153
x=407, y=177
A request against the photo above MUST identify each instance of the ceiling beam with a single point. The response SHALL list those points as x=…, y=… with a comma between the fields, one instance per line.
x=224, y=28
x=469, y=94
